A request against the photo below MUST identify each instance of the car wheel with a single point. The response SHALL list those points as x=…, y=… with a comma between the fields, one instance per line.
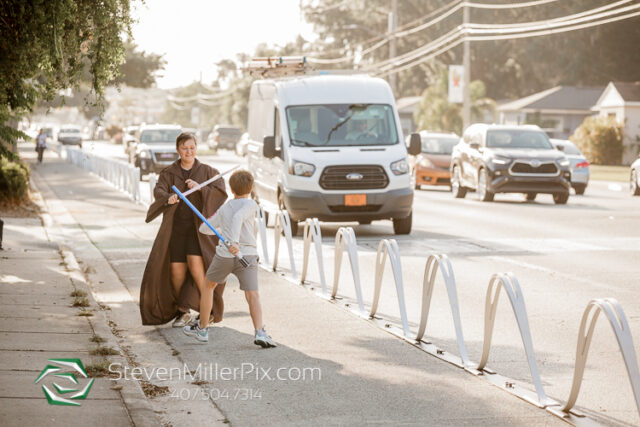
x=580, y=189
x=483, y=193
x=456, y=187
x=635, y=188
x=294, y=224
x=560, y=198
x=403, y=225
x=530, y=196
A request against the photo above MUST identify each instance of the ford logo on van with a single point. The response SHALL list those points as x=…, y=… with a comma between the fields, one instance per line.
x=354, y=176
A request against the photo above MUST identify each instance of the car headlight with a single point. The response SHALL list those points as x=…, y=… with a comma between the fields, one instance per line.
x=564, y=162
x=500, y=160
x=301, y=168
x=400, y=167
x=144, y=154
x=426, y=163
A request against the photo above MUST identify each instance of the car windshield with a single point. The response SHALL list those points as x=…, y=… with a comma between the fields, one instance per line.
x=160, y=135
x=229, y=131
x=70, y=130
x=342, y=125
x=518, y=139
x=438, y=144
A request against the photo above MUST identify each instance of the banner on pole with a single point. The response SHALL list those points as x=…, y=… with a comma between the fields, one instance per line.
x=456, y=73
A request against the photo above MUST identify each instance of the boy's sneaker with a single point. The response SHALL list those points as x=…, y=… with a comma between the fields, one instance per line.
x=196, y=321
x=263, y=339
x=201, y=335
x=182, y=320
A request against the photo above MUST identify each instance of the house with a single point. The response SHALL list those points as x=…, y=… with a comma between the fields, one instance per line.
x=559, y=110
x=622, y=101
x=406, y=107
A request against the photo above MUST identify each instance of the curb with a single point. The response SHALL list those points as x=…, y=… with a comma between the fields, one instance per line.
x=133, y=398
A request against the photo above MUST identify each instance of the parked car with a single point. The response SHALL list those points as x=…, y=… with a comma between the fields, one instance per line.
x=330, y=147
x=156, y=148
x=579, y=164
x=634, y=179
x=242, y=145
x=492, y=159
x=226, y=136
x=431, y=166
x=70, y=135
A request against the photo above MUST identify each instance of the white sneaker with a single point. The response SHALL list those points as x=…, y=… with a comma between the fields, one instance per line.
x=263, y=339
x=182, y=320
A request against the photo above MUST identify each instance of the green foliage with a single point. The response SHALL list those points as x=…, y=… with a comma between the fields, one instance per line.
x=436, y=113
x=600, y=140
x=139, y=68
x=14, y=180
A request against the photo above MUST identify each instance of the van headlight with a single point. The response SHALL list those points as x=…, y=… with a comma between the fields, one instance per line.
x=301, y=168
x=400, y=167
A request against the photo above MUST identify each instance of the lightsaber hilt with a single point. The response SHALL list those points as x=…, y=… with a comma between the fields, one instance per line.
x=195, y=210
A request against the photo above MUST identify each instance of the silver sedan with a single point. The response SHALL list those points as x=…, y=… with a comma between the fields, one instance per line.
x=579, y=164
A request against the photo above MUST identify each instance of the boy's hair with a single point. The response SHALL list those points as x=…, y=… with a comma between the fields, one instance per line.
x=184, y=137
x=241, y=182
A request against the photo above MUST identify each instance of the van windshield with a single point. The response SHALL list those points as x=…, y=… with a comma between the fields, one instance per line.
x=341, y=125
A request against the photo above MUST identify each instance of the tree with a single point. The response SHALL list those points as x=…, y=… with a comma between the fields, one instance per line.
x=436, y=113
x=139, y=68
x=44, y=46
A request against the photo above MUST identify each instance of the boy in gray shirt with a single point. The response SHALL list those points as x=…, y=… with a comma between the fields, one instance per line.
x=236, y=221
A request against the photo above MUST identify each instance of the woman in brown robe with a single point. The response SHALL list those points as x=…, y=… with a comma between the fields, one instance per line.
x=180, y=255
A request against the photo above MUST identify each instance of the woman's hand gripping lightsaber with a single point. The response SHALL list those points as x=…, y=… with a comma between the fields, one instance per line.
x=242, y=260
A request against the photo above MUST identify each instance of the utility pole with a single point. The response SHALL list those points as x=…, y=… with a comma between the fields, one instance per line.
x=466, y=63
x=392, y=27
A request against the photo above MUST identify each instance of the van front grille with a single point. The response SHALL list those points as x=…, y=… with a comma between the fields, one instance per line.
x=354, y=177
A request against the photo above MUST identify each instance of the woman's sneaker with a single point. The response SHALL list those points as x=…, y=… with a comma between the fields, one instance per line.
x=182, y=320
x=201, y=335
x=263, y=339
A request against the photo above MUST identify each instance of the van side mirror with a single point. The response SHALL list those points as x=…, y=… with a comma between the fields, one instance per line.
x=415, y=144
x=269, y=147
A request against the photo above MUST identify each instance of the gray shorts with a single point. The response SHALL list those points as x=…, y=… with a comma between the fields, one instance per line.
x=221, y=267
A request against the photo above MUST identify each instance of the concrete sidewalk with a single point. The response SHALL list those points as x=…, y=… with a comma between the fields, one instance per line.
x=38, y=282
x=330, y=368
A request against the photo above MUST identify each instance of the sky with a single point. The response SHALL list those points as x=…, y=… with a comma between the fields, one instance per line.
x=195, y=34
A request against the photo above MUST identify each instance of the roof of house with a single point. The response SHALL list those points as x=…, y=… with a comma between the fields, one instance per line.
x=630, y=92
x=557, y=98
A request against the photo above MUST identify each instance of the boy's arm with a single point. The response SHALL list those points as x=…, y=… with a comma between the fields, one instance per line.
x=215, y=220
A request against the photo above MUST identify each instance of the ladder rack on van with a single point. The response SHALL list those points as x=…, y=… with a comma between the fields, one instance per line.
x=277, y=66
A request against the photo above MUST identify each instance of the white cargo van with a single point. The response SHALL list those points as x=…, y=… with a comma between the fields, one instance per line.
x=330, y=147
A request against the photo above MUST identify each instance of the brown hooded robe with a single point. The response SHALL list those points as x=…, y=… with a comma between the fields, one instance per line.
x=158, y=304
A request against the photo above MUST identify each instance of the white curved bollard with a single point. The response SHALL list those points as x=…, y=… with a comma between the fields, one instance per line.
x=510, y=284
x=283, y=224
x=313, y=233
x=620, y=326
x=346, y=236
x=434, y=263
x=390, y=248
x=262, y=228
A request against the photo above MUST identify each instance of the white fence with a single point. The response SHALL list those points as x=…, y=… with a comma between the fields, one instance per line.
x=388, y=248
x=121, y=175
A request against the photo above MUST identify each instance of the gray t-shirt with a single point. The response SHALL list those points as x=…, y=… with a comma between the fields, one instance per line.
x=236, y=221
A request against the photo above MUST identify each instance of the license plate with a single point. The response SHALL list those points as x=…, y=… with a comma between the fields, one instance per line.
x=355, y=199
x=166, y=155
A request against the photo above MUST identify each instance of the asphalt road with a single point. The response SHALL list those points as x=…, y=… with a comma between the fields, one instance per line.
x=563, y=256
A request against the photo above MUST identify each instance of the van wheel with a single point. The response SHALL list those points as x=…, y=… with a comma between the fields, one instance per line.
x=294, y=223
x=403, y=225
x=456, y=186
x=560, y=198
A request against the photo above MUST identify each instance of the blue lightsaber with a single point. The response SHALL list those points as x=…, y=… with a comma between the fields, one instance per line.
x=224, y=241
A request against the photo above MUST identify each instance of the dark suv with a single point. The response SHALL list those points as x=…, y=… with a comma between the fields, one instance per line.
x=492, y=159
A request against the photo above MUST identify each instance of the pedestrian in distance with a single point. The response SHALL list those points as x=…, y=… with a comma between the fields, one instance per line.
x=175, y=270
x=236, y=221
x=41, y=145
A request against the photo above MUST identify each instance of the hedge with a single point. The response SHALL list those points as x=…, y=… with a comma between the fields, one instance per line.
x=600, y=140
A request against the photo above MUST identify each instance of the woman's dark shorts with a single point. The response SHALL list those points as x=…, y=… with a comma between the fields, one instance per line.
x=184, y=241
